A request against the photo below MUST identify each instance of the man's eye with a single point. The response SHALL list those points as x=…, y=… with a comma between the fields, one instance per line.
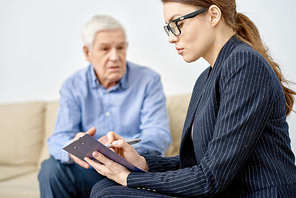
x=105, y=49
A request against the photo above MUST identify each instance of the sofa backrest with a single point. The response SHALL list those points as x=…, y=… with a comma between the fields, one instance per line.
x=177, y=107
x=51, y=112
x=21, y=137
x=25, y=128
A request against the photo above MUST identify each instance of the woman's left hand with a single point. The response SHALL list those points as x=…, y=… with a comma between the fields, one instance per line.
x=109, y=168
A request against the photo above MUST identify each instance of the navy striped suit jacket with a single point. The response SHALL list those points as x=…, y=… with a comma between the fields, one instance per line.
x=239, y=145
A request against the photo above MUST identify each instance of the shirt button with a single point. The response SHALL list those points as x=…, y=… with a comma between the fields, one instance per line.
x=107, y=114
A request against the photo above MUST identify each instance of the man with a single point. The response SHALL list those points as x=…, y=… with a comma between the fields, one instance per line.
x=111, y=94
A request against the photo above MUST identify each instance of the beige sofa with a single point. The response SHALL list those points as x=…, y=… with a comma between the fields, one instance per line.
x=25, y=128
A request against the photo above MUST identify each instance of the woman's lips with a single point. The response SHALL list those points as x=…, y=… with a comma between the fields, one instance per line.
x=180, y=50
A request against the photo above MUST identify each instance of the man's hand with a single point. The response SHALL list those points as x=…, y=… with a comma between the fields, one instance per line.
x=78, y=161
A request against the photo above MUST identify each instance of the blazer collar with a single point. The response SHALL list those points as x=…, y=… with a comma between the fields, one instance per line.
x=225, y=52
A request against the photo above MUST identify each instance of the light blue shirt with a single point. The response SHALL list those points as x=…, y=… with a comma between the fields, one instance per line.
x=134, y=108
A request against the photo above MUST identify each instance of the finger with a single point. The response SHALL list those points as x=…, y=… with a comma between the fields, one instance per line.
x=119, y=151
x=121, y=144
x=101, y=158
x=79, y=161
x=78, y=135
x=99, y=167
x=91, y=131
x=112, y=136
x=103, y=140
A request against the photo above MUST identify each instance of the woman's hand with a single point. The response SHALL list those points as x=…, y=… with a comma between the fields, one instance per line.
x=109, y=168
x=126, y=151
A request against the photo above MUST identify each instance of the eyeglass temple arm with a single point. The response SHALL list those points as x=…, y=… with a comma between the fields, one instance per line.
x=193, y=14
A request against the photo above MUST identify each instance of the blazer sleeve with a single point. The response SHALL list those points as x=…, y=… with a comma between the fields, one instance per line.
x=245, y=105
x=159, y=163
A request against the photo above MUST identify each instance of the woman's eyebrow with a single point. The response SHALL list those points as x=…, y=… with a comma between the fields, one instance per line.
x=173, y=17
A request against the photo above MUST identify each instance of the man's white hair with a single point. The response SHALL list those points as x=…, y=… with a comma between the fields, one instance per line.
x=96, y=24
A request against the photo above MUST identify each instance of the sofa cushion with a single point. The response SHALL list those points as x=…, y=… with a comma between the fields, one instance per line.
x=12, y=171
x=50, y=118
x=177, y=107
x=24, y=186
x=21, y=133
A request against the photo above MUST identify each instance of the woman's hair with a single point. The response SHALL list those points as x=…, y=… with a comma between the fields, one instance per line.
x=94, y=25
x=246, y=31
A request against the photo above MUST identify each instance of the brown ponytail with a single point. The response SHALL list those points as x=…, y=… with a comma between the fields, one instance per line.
x=248, y=32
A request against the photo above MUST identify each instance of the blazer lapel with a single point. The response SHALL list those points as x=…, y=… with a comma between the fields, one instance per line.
x=197, y=94
x=186, y=147
x=202, y=85
x=201, y=89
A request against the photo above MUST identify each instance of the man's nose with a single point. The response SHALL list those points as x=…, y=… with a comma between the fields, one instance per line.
x=114, y=55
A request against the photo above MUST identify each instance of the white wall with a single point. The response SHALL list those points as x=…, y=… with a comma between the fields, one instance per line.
x=40, y=43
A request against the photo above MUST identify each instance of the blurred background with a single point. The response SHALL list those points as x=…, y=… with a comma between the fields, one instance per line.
x=40, y=43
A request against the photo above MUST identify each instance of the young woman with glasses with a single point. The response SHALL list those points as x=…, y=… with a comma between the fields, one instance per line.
x=235, y=140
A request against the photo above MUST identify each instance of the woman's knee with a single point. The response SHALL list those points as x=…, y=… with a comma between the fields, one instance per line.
x=102, y=188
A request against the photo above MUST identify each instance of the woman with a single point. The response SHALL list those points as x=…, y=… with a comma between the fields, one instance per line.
x=235, y=140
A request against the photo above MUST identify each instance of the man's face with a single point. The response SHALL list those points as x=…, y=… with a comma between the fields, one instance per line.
x=108, y=56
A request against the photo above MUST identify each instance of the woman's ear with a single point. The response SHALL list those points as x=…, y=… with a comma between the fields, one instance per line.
x=215, y=14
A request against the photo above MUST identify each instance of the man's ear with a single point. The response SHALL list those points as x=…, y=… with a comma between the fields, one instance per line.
x=87, y=52
x=215, y=15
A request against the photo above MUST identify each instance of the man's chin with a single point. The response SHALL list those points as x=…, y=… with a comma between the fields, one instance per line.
x=115, y=77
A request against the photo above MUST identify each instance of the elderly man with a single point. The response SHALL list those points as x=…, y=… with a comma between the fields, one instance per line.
x=111, y=94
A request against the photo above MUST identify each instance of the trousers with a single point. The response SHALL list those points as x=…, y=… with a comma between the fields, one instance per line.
x=66, y=180
x=106, y=188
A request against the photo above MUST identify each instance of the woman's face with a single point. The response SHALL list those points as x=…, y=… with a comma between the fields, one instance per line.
x=196, y=33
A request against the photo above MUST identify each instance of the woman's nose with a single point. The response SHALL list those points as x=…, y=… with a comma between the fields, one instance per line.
x=172, y=38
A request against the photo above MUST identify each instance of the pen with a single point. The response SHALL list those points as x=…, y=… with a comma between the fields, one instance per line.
x=130, y=142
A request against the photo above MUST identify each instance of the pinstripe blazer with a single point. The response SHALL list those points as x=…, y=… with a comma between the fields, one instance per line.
x=239, y=144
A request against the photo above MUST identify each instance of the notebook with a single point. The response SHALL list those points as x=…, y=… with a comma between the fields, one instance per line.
x=86, y=145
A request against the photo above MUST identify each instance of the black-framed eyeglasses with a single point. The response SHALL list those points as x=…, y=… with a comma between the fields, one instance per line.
x=174, y=27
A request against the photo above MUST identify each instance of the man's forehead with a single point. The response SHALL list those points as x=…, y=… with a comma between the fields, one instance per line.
x=111, y=32
x=116, y=36
x=110, y=43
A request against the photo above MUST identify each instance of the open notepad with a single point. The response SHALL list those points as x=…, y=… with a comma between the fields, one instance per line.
x=86, y=145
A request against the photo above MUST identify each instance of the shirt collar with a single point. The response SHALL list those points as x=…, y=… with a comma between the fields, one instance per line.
x=124, y=80
x=93, y=78
x=123, y=83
